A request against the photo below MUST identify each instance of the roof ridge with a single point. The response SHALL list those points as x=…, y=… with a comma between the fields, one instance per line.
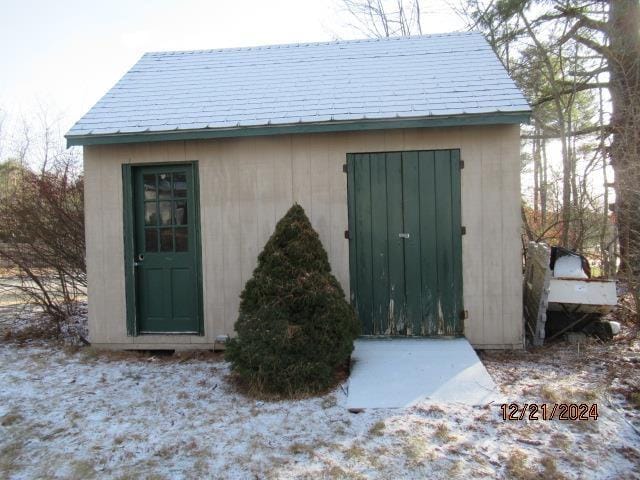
x=312, y=44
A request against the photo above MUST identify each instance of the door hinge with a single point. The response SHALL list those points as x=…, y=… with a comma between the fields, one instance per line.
x=461, y=164
x=463, y=230
x=344, y=168
x=346, y=234
x=464, y=314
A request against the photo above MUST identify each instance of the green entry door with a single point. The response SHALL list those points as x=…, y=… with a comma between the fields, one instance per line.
x=404, y=242
x=166, y=251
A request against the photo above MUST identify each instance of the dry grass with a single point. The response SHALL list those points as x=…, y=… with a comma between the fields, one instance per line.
x=40, y=329
x=443, y=433
x=329, y=402
x=550, y=469
x=256, y=391
x=561, y=441
x=561, y=394
x=355, y=452
x=169, y=356
x=455, y=470
x=516, y=466
x=298, y=448
x=377, y=429
x=432, y=410
x=416, y=451
x=634, y=398
x=9, y=454
x=11, y=418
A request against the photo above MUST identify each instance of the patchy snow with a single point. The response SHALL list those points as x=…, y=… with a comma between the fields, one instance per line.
x=69, y=413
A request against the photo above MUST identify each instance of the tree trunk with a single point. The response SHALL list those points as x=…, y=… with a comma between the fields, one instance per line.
x=543, y=183
x=566, y=182
x=536, y=177
x=624, y=66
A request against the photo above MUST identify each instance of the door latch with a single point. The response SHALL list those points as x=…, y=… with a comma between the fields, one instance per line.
x=403, y=235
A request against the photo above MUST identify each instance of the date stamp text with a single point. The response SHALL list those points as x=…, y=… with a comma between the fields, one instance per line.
x=544, y=411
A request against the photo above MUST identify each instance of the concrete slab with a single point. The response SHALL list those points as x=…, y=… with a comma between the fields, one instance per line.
x=399, y=372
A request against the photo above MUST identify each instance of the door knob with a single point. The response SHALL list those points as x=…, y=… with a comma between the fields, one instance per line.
x=403, y=235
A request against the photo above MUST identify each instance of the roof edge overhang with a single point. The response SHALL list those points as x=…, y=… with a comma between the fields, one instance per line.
x=498, y=118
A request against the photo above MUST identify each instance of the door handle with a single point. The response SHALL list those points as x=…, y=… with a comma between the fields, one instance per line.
x=403, y=235
x=138, y=261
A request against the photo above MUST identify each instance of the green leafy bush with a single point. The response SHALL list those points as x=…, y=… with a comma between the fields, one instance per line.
x=295, y=327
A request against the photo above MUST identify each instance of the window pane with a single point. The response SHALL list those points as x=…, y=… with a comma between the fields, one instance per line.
x=179, y=185
x=165, y=213
x=149, y=181
x=150, y=213
x=181, y=212
x=166, y=240
x=182, y=239
x=150, y=240
x=164, y=186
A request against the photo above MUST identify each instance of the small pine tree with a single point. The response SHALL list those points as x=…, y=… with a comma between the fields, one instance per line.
x=295, y=327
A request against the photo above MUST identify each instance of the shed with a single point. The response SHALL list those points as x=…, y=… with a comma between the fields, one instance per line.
x=404, y=152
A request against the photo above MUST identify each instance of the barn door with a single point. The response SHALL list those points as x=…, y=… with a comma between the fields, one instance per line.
x=404, y=242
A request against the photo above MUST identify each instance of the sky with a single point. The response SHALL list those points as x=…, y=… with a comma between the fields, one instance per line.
x=61, y=57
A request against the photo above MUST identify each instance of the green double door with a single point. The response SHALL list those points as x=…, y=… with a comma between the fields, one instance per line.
x=405, y=242
x=166, y=250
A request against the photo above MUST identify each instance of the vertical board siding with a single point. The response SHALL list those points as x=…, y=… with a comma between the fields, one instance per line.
x=396, y=315
x=353, y=279
x=411, y=216
x=380, y=261
x=492, y=240
x=513, y=323
x=428, y=249
x=446, y=257
x=308, y=169
x=456, y=200
x=363, y=271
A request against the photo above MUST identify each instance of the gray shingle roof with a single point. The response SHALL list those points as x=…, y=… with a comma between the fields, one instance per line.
x=361, y=80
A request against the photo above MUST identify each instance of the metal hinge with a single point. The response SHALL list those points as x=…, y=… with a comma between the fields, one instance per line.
x=346, y=234
x=461, y=164
x=344, y=168
x=464, y=314
x=463, y=230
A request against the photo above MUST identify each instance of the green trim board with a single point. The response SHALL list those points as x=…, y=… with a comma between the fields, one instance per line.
x=128, y=238
x=155, y=303
x=297, y=128
x=405, y=250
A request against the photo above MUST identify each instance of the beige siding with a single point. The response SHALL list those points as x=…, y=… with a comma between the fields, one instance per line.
x=247, y=184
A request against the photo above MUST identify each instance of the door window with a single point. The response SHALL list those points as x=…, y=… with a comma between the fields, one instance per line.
x=165, y=212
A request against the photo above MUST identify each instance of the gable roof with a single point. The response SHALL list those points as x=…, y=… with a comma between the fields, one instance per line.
x=345, y=85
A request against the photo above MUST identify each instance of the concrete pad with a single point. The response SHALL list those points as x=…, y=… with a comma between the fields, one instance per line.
x=401, y=372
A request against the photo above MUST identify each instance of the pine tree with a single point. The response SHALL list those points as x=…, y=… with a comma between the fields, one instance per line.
x=295, y=327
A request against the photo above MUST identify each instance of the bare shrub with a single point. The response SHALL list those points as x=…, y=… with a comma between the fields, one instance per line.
x=42, y=239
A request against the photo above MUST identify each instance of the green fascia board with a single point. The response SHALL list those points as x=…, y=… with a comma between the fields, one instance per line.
x=325, y=127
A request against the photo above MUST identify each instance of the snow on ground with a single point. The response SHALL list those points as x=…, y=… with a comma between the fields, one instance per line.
x=74, y=413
